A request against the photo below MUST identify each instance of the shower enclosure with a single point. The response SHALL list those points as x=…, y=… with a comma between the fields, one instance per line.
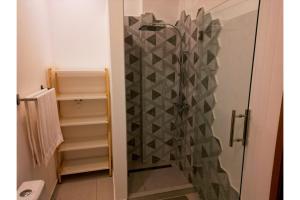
x=187, y=91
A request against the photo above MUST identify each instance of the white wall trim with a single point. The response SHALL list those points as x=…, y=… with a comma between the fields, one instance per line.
x=265, y=102
x=117, y=71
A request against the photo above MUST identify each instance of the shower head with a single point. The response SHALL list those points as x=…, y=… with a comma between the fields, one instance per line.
x=159, y=25
x=152, y=27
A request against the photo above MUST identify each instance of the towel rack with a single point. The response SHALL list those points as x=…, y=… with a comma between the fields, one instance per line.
x=28, y=98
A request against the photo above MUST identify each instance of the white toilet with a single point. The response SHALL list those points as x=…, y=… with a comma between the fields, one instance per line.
x=30, y=190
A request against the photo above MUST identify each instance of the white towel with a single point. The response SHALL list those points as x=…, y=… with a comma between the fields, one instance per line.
x=43, y=126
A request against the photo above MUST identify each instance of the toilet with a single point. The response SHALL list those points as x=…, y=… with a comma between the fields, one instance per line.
x=30, y=190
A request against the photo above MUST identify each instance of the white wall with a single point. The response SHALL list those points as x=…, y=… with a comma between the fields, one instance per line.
x=119, y=137
x=222, y=9
x=133, y=7
x=79, y=31
x=169, y=10
x=265, y=102
x=34, y=56
x=166, y=10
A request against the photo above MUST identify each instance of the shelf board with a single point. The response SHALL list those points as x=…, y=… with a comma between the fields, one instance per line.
x=84, y=165
x=78, y=96
x=79, y=72
x=83, y=121
x=83, y=145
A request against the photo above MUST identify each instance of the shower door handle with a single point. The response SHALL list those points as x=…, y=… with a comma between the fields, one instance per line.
x=233, y=116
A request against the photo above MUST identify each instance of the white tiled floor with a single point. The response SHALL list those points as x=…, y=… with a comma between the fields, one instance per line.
x=99, y=186
x=88, y=186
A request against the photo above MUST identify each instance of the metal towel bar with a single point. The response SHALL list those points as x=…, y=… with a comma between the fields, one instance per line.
x=27, y=98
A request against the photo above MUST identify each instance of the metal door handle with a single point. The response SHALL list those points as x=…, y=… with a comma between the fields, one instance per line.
x=232, y=128
x=233, y=116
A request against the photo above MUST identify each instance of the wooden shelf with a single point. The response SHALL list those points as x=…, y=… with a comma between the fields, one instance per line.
x=83, y=84
x=84, y=165
x=79, y=72
x=83, y=121
x=83, y=145
x=83, y=96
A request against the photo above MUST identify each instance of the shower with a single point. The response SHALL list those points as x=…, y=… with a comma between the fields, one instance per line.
x=175, y=70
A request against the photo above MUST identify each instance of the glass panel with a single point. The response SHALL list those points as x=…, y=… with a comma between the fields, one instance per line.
x=188, y=66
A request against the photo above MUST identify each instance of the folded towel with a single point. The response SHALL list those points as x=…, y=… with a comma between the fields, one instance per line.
x=43, y=127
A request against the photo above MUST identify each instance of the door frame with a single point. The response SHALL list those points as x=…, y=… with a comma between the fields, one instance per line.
x=276, y=190
x=265, y=102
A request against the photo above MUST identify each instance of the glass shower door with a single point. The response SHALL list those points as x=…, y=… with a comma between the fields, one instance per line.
x=204, y=135
x=218, y=74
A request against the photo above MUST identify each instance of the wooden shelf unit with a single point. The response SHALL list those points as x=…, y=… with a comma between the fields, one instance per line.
x=83, y=85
